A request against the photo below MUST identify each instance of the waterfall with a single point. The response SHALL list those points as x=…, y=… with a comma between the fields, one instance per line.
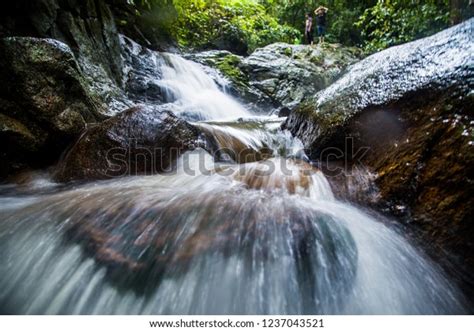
x=196, y=95
x=253, y=229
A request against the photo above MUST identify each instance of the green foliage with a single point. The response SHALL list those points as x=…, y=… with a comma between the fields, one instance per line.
x=148, y=20
x=394, y=22
x=243, y=25
x=204, y=22
x=341, y=16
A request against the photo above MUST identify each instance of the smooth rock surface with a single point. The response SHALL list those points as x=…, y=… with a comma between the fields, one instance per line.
x=140, y=141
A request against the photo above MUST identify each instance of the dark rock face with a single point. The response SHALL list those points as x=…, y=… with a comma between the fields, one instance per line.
x=412, y=106
x=53, y=87
x=141, y=72
x=281, y=75
x=87, y=26
x=44, y=102
x=426, y=173
x=284, y=112
x=145, y=29
x=140, y=141
x=231, y=40
x=89, y=29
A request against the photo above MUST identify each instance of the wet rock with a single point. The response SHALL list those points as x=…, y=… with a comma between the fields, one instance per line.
x=87, y=27
x=140, y=141
x=291, y=73
x=284, y=112
x=141, y=73
x=233, y=69
x=121, y=72
x=45, y=102
x=281, y=75
x=404, y=73
x=411, y=106
x=141, y=245
x=425, y=175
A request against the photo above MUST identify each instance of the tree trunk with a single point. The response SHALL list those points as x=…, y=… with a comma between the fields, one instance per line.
x=455, y=11
x=460, y=10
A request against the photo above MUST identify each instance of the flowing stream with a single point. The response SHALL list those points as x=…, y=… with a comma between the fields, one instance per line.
x=254, y=230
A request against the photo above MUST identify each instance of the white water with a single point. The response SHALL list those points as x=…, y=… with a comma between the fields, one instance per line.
x=373, y=269
x=195, y=94
x=264, y=237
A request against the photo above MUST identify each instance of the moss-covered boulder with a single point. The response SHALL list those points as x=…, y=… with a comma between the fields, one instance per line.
x=281, y=75
x=45, y=103
x=411, y=107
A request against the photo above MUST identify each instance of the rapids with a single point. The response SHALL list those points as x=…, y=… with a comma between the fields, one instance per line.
x=253, y=229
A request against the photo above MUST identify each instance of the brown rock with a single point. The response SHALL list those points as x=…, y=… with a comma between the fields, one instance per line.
x=140, y=141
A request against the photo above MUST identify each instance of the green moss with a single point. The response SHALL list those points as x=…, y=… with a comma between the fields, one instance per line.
x=317, y=59
x=288, y=51
x=325, y=120
x=229, y=67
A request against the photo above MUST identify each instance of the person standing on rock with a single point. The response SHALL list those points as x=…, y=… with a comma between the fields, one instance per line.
x=321, y=12
x=308, y=32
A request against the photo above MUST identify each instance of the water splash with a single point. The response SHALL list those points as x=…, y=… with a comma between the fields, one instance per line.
x=211, y=243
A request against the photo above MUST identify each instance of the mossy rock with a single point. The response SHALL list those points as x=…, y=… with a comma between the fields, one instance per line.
x=45, y=101
x=229, y=66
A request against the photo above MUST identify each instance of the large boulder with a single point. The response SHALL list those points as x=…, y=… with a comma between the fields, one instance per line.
x=404, y=74
x=140, y=141
x=121, y=72
x=411, y=105
x=87, y=27
x=45, y=102
x=281, y=75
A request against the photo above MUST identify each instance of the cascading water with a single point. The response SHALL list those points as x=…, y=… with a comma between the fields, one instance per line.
x=195, y=94
x=253, y=230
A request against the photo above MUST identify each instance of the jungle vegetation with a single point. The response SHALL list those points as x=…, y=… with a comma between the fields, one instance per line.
x=247, y=24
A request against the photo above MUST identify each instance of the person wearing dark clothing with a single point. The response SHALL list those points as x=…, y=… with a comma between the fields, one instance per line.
x=321, y=22
x=308, y=32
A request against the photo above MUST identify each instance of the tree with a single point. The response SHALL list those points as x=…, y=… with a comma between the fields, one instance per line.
x=392, y=22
